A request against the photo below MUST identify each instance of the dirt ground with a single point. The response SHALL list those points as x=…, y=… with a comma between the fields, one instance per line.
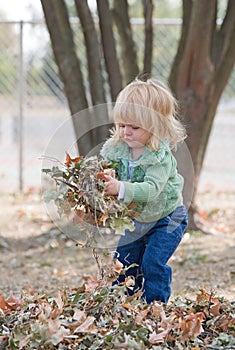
x=36, y=255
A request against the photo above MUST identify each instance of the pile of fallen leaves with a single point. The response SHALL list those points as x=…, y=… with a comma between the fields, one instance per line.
x=80, y=193
x=98, y=315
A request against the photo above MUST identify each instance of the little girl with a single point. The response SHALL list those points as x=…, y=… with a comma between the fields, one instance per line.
x=146, y=175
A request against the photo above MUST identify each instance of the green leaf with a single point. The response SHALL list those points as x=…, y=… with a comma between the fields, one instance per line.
x=224, y=340
x=50, y=195
x=119, y=225
x=56, y=172
x=46, y=171
x=63, y=188
x=13, y=345
x=142, y=333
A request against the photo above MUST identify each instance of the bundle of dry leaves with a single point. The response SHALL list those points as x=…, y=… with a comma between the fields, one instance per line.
x=80, y=191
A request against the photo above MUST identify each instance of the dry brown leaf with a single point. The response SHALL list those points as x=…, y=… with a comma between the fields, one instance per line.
x=21, y=213
x=127, y=306
x=104, y=218
x=24, y=342
x=10, y=304
x=141, y=316
x=92, y=284
x=157, y=309
x=87, y=326
x=79, y=216
x=79, y=315
x=191, y=326
x=59, y=300
x=156, y=338
x=117, y=266
x=69, y=160
x=129, y=282
x=215, y=309
x=205, y=295
x=57, y=331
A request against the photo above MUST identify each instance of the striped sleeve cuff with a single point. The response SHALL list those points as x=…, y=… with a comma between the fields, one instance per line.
x=121, y=193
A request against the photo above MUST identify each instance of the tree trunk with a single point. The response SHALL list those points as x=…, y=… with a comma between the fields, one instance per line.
x=187, y=11
x=109, y=48
x=96, y=80
x=57, y=20
x=129, y=55
x=148, y=38
x=200, y=75
x=58, y=25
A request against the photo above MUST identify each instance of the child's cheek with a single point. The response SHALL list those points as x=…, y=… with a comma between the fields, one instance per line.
x=121, y=133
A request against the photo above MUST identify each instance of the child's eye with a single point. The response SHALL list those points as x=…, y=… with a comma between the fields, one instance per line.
x=134, y=127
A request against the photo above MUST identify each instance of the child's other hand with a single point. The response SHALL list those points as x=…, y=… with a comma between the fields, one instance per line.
x=112, y=185
x=110, y=172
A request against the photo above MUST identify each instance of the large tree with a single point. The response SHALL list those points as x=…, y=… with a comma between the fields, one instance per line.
x=201, y=68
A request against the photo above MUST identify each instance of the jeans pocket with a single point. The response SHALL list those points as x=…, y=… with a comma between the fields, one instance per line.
x=178, y=220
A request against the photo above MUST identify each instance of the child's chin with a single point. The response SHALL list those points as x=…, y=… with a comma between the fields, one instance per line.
x=133, y=144
x=130, y=144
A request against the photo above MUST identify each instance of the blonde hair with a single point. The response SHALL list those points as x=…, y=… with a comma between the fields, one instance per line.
x=149, y=105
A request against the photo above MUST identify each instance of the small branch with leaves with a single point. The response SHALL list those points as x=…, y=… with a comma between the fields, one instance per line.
x=79, y=190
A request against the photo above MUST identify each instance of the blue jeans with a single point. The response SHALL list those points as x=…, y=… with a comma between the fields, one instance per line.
x=150, y=246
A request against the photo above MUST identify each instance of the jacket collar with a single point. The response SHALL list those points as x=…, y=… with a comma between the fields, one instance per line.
x=121, y=152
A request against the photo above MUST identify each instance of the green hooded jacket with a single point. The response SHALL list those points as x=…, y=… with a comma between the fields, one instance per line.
x=155, y=185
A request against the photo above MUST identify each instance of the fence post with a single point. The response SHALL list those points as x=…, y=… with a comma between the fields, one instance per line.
x=21, y=101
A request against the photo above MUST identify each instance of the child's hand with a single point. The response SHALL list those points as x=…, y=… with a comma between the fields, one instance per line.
x=112, y=185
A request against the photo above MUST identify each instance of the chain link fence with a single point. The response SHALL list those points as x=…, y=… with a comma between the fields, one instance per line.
x=32, y=101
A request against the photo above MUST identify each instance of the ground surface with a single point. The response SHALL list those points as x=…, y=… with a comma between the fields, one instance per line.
x=35, y=255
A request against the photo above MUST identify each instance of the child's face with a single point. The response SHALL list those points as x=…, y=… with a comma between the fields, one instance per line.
x=133, y=135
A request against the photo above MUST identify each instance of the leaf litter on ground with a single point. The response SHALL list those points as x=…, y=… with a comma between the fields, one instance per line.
x=97, y=315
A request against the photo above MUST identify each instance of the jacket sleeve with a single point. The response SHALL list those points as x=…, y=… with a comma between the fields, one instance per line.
x=155, y=180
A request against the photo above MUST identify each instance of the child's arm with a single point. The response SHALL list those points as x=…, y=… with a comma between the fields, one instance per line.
x=157, y=180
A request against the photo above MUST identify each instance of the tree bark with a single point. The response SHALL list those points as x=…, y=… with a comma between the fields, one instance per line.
x=148, y=38
x=57, y=21
x=58, y=25
x=187, y=11
x=224, y=60
x=96, y=80
x=109, y=48
x=129, y=55
x=202, y=66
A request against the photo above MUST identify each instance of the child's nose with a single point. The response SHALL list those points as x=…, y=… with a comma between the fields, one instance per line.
x=127, y=130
